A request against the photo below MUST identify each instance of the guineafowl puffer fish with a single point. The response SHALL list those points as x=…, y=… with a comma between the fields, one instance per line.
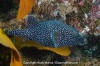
x=51, y=33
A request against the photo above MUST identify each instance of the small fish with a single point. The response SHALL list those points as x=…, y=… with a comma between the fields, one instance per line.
x=51, y=33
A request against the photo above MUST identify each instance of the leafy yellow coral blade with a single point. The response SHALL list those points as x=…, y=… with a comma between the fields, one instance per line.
x=25, y=7
x=64, y=51
x=15, y=55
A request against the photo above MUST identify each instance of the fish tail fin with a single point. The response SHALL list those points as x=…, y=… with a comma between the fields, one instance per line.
x=16, y=32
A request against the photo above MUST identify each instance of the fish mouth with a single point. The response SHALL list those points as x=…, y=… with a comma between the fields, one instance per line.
x=81, y=40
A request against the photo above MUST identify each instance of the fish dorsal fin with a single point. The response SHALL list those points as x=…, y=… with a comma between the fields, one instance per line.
x=31, y=21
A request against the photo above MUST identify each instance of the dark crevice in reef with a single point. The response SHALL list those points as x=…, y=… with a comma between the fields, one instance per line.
x=5, y=54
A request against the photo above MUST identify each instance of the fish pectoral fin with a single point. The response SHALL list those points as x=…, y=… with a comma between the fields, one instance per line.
x=56, y=36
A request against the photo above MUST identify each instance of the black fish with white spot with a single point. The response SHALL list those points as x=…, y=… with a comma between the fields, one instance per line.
x=51, y=33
